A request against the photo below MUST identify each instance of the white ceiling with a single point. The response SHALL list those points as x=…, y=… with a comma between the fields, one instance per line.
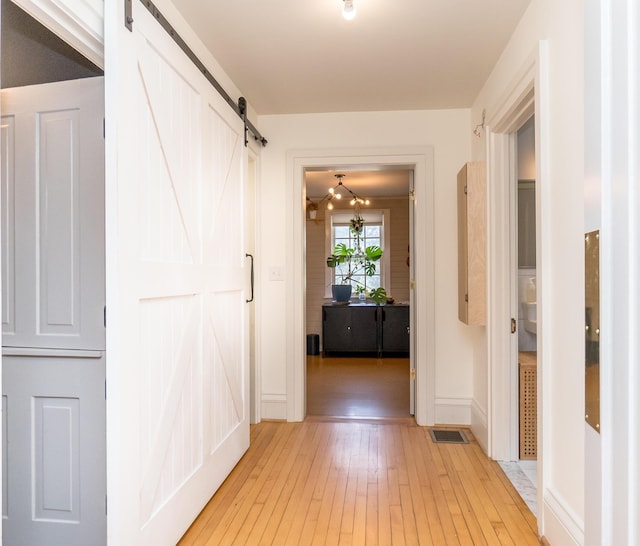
x=301, y=56
x=388, y=182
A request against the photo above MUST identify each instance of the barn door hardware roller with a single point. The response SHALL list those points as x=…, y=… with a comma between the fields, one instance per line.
x=240, y=108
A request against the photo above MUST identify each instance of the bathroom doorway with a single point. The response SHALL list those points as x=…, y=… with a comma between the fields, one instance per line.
x=523, y=471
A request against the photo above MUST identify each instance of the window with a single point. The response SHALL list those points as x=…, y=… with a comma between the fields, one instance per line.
x=374, y=233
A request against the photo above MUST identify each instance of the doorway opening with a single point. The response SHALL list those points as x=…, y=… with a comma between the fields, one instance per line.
x=525, y=97
x=420, y=161
x=523, y=471
x=358, y=362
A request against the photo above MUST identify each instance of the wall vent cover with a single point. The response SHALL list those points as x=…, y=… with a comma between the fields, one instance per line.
x=442, y=436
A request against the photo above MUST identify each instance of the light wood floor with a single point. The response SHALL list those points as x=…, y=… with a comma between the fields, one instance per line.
x=326, y=481
x=357, y=387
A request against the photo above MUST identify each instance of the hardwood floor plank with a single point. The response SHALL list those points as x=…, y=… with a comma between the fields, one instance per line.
x=384, y=518
x=375, y=483
x=300, y=503
x=270, y=496
x=423, y=529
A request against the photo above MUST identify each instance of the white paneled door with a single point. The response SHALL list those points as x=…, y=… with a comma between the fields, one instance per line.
x=177, y=373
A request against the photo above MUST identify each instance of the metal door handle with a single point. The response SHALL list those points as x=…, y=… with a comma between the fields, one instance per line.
x=247, y=255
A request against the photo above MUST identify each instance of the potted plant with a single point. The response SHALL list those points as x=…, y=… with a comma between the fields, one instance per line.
x=354, y=261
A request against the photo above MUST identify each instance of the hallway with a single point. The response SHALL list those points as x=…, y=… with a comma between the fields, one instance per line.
x=328, y=482
x=357, y=387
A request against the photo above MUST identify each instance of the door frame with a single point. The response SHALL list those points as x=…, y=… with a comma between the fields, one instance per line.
x=255, y=370
x=527, y=95
x=420, y=159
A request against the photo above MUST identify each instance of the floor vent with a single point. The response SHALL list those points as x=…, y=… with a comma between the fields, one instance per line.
x=442, y=436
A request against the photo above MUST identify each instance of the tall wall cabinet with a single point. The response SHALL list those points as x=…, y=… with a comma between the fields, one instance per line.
x=472, y=243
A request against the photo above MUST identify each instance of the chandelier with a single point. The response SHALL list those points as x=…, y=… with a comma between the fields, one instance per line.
x=340, y=191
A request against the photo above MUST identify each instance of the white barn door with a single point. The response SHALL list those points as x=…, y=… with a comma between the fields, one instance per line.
x=177, y=350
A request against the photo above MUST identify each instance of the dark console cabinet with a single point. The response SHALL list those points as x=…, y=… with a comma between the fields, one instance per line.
x=365, y=328
x=395, y=329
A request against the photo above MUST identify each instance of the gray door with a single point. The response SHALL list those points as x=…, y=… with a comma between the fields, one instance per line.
x=54, y=472
x=54, y=450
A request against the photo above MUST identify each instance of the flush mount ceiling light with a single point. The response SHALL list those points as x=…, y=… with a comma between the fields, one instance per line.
x=348, y=9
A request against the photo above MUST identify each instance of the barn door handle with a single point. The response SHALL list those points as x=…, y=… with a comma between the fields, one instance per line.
x=247, y=255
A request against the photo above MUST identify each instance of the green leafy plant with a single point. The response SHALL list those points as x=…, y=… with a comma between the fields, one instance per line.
x=358, y=261
x=378, y=295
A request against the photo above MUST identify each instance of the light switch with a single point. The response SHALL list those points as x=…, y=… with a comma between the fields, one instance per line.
x=276, y=273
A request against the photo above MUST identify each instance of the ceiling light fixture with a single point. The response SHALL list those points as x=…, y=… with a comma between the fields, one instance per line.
x=340, y=191
x=348, y=9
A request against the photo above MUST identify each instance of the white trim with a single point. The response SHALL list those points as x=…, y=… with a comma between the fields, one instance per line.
x=560, y=520
x=619, y=270
x=51, y=353
x=80, y=24
x=253, y=157
x=528, y=90
x=273, y=407
x=479, y=425
x=421, y=160
x=453, y=411
x=502, y=422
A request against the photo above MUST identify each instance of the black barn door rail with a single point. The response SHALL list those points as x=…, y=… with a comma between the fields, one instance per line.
x=240, y=108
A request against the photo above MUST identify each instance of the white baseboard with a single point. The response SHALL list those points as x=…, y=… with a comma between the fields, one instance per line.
x=561, y=523
x=453, y=411
x=274, y=407
x=479, y=425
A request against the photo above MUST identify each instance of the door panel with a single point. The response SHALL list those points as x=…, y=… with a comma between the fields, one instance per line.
x=7, y=168
x=54, y=439
x=53, y=195
x=178, y=293
x=54, y=473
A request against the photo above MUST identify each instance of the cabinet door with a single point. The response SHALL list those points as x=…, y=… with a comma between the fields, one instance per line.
x=395, y=329
x=336, y=329
x=350, y=329
x=364, y=329
x=472, y=246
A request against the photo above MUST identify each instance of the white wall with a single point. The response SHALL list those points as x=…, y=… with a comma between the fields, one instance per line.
x=447, y=131
x=561, y=462
x=612, y=204
x=592, y=221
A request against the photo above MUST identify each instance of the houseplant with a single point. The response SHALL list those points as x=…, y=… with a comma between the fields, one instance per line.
x=351, y=262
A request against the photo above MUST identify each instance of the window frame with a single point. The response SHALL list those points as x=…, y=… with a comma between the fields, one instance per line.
x=385, y=238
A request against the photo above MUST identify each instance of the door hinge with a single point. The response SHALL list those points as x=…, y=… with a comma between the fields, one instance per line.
x=513, y=325
x=412, y=374
x=104, y=316
x=465, y=190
